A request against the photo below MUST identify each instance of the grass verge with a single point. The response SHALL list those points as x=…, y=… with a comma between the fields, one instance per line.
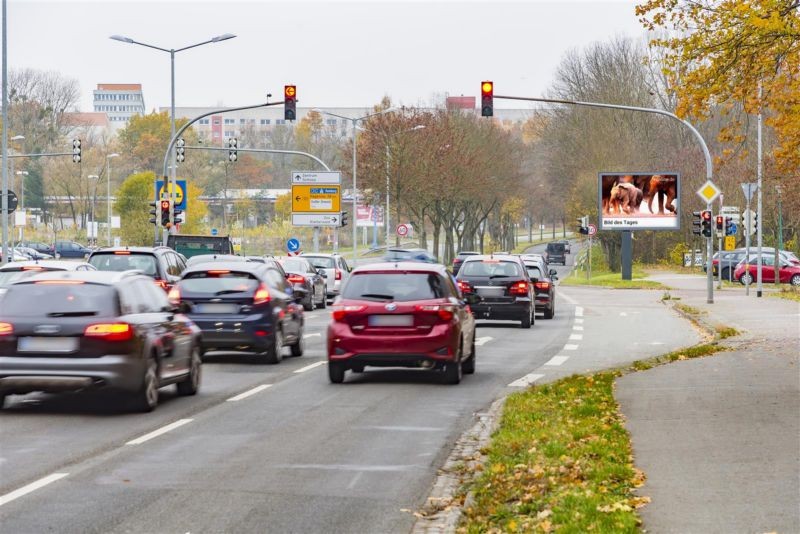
x=613, y=280
x=788, y=293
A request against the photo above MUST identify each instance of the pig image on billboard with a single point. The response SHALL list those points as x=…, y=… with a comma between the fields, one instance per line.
x=639, y=201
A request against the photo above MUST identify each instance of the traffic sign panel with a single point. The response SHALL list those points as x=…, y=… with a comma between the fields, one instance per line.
x=180, y=192
x=709, y=191
x=402, y=230
x=730, y=242
x=293, y=245
x=321, y=177
x=316, y=219
x=592, y=229
x=326, y=199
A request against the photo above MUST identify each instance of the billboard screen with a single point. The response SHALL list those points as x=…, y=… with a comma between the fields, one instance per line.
x=639, y=201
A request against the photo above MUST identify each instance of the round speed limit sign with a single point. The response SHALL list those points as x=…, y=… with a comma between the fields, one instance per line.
x=402, y=230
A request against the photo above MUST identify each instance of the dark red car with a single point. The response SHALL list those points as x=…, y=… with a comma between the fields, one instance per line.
x=789, y=272
x=404, y=314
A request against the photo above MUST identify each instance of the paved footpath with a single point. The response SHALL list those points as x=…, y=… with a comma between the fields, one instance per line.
x=719, y=437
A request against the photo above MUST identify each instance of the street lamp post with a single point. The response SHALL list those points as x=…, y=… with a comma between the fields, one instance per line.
x=23, y=174
x=172, y=51
x=108, y=197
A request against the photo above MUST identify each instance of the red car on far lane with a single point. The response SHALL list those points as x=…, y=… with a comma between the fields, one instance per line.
x=405, y=314
x=788, y=272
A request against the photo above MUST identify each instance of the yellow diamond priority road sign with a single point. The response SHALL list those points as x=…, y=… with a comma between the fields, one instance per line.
x=709, y=192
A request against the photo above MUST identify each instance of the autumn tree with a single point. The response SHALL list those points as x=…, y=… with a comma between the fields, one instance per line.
x=133, y=207
x=145, y=138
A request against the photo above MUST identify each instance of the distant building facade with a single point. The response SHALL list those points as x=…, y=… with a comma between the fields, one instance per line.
x=119, y=101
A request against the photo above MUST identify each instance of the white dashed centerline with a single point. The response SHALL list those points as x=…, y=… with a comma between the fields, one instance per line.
x=576, y=337
x=568, y=346
x=33, y=486
x=578, y=320
x=309, y=367
x=480, y=341
x=577, y=328
x=249, y=392
x=162, y=430
x=578, y=311
x=557, y=360
x=312, y=335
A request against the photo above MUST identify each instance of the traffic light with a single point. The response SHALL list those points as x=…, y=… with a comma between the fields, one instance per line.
x=76, y=150
x=180, y=150
x=176, y=215
x=233, y=143
x=289, y=102
x=697, y=218
x=705, y=215
x=583, y=223
x=729, y=226
x=165, y=212
x=487, y=99
x=720, y=223
x=154, y=212
x=344, y=218
x=755, y=222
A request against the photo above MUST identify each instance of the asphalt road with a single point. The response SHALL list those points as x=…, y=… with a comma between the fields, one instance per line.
x=301, y=455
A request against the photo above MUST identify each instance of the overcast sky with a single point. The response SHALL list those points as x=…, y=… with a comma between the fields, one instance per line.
x=337, y=53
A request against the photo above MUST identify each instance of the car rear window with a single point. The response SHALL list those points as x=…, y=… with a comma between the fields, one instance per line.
x=297, y=266
x=490, y=268
x=533, y=271
x=555, y=247
x=213, y=282
x=60, y=300
x=124, y=262
x=321, y=262
x=398, y=286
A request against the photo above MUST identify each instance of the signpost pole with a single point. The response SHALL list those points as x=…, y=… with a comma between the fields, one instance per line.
x=719, y=245
x=589, y=267
x=316, y=239
x=748, y=224
x=759, y=232
x=627, y=255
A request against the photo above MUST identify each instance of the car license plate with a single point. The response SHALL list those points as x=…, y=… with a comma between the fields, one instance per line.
x=391, y=320
x=47, y=344
x=217, y=308
x=491, y=291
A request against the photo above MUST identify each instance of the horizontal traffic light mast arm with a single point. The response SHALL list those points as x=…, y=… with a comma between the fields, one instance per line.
x=203, y=116
x=703, y=145
x=40, y=154
x=263, y=150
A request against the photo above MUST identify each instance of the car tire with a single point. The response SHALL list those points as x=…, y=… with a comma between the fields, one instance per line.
x=452, y=371
x=550, y=312
x=468, y=366
x=336, y=372
x=795, y=280
x=146, y=398
x=274, y=354
x=191, y=384
x=526, y=320
x=299, y=346
x=309, y=306
x=324, y=303
x=2, y=401
x=746, y=279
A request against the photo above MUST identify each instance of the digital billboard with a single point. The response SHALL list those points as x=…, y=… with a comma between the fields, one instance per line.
x=639, y=201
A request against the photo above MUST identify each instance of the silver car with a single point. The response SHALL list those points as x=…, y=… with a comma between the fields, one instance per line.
x=336, y=271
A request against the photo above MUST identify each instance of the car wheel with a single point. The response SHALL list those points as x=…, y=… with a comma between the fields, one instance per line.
x=795, y=280
x=274, y=354
x=452, y=370
x=2, y=401
x=551, y=311
x=468, y=367
x=324, y=303
x=299, y=346
x=526, y=320
x=191, y=384
x=146, y=399
x=336, y=372
x=746, y=279
x=309, y=306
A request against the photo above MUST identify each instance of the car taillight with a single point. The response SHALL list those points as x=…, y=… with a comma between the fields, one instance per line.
x=339, y=312
x=338, y=274
x=457, y=260
x=544, y=286
x=6, y=329
x=296, y=279
x=464, y=287
x=110, y=331
x=445, y=313
x=162, y=284
x=262, y=295
x=519, y=288
x=174, y=295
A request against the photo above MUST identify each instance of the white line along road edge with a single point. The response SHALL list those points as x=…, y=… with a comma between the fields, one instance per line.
x=33, y=486
x=249, y=392
x=155, y=433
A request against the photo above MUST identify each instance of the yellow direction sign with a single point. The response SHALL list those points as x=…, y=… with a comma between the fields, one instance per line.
x=316, y=198
x=179, y=192
x=708, y=191
x=730, y=242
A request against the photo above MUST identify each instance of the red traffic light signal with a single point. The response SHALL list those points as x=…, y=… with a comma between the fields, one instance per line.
x=289, y=102
x=706, y=215
x=720, y=222
x=487, y=99
x=164, y=212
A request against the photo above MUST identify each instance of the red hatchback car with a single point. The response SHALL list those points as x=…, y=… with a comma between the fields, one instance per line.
x=404, y=314
x=788, y=272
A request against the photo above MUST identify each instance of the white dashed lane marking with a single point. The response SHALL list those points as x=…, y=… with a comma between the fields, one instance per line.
x=578, y=311
x=525, y=381
x=557, y=360
x=312, y=335
x=578, y=320
x=570, y=347
x=577, y=328
x=309, y=367
x=249, y=392
x=155, y=433
x=576, y=337
x=480, y=341
x=33, y=486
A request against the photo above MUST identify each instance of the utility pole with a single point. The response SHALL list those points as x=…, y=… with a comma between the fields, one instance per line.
x=759, y=232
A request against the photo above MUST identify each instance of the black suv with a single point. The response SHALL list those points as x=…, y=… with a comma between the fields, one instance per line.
x=162, y=264
x=80, y=330
x=556, y=253
x=242, y=306
x=503, y=285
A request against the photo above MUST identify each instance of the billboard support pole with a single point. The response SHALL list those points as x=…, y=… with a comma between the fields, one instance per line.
x=627, y=255
x=703, y=145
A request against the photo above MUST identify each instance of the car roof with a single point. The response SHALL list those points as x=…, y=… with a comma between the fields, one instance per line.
x=95, y=277
x=47, y=264
x=319, y=255
x=401, y=266
x=240, y=266
x=136, y=250
x=504, y=257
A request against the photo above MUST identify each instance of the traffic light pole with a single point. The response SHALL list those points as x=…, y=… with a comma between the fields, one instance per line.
x=703, y=145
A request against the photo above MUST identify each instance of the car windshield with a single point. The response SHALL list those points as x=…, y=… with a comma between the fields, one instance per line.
x=124, y=262
x=321, y=262
x=61, y=300
x=399, y=286
x=490, y=268
x=218, y=282
x=533, y=271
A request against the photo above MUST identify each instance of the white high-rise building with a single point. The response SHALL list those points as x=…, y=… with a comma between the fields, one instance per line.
x=119, y=101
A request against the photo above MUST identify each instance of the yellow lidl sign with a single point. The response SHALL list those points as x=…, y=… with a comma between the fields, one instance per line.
x=316, y=198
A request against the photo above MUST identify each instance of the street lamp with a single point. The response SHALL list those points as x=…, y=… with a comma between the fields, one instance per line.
x=397, y=200
x=108, y=197
x=355, y=121
x=172, y=52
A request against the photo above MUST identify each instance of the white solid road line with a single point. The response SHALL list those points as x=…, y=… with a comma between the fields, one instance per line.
x=577, y=328
x=575, y=337
x=312, y=335
x=480, y=341
x=249, y=392
x=569, y=346
x=578, y=311
x=525, y=381
x=557, y=360
x=156, y=433
x=309, y=367
x=33, y=486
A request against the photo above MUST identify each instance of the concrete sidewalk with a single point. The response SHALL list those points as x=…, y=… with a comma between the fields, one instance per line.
x=719, y=437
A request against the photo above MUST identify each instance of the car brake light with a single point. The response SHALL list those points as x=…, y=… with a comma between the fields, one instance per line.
x=262, y=295
x=60, y=282
x=110, y=331
x=338, y=274
x=218, y=272
x=174, y=295
x=33, y=268
x=296, y=279
x=457, y=260
x=122, y=252
x=519, y=288
x=542, y=285
x=445, y=313
x=339, y=312
x=464, y=287
x=6, y=329
x=161, y=283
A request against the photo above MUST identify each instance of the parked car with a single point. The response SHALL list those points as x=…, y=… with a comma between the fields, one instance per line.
x=408, y=254
x=404, y=314
x=81, y=330
x=14, y=255
x=503, y=285
x=337, y=272
x=162, y=264
x=306, y=279
x=544, y=287
x=556, y=252
x=71, y=249
x=747, y=271
x=38, y=246
x=242, y=306
x=32, y=254
x=729, y=260
x=459, y=259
